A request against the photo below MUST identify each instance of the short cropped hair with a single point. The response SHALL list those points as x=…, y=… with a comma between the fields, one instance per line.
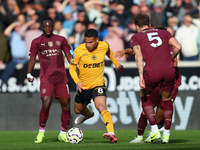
x=141, y=20
x=47, y=18
x=91, y=33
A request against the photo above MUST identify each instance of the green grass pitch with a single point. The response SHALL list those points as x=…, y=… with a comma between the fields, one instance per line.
x=93, y=140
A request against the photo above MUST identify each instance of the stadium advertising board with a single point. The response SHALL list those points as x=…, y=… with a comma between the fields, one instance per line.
x=123, y=99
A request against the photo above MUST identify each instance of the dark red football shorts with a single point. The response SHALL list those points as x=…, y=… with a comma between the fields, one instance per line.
x=166, y=77
x=60, y=90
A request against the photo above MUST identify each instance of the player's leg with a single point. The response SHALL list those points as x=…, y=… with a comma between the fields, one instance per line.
x=100, y=104
x=80, y=106
x=167, y=87
x=159, y=117
x=84, y=111
x=148, y=109
x=46, y=94
x=167, y=113
x=63, y=95
x=142, y=123
x=44, y=114
x=65, y=118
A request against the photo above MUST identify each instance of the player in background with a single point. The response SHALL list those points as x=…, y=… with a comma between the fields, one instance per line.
x=152, y=47
x=90, y=58
x=53, y=78
x=156, y=98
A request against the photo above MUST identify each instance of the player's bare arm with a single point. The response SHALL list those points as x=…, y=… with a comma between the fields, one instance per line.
x=140, y=63
x=69, y=56
x=119, y=54
x=31, y=65
x=176, y=46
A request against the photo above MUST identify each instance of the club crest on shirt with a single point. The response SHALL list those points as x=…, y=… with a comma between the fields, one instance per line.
x=58, y=43
x=94, y=57
x=50, y=44
x=43, y=91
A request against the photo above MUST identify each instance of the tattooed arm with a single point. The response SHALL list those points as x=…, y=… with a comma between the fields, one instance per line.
x=140, y=64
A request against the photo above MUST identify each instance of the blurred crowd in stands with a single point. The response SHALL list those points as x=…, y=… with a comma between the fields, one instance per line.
x=20, y=23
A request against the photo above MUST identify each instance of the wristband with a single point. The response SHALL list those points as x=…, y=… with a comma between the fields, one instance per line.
x=29, y=76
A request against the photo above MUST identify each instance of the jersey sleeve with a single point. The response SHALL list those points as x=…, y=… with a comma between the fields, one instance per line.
x=133, y=41
x=110, y=55
x=73, y=66
x=34, y=49
x=66, y=47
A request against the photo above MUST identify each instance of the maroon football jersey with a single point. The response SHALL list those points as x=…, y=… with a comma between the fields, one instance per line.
x=155, y=48
x=50, y=53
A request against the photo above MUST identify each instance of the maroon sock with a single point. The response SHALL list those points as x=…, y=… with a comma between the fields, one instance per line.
x=142, y=124
x=44, y=114
x=148, y=109
x=168, y=112
x=65, y=117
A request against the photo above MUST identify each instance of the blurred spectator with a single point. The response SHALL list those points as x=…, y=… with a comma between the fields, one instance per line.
x=74, y=8
x=120, y=14
x=154, y=21
x=187, y=36
x=92, y=25
x=18, y=50
x=37, y=9
x=29, y=31
x=129, y=31
x=112, y=5
x=9, y=12
x=59, y=30
x=4, y=49
x=157, y=11
x=77, y=36
x=53, y=14
x=143, y=3
x=94, y=9
x=115, y=37
x=134, y=10
x=82, y=17
x=173, y=24
x=178, y=8
x=104, y=25
x=69, y=22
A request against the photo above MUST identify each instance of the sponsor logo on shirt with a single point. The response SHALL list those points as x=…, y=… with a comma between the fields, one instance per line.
x=43, y=44
x=95, y=65
x=51, y=52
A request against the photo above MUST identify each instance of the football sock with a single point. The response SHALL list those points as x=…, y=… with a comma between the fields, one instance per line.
x=86, y=112
x=166, y=132
x=168, y=112
x=44, y=114
x=62, y=132
x=142, y=123
x=154, y=128
x=65, y=118
x=148, y=110
x=107, y=120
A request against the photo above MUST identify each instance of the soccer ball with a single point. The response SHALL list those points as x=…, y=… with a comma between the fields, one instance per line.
x=74, y=135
